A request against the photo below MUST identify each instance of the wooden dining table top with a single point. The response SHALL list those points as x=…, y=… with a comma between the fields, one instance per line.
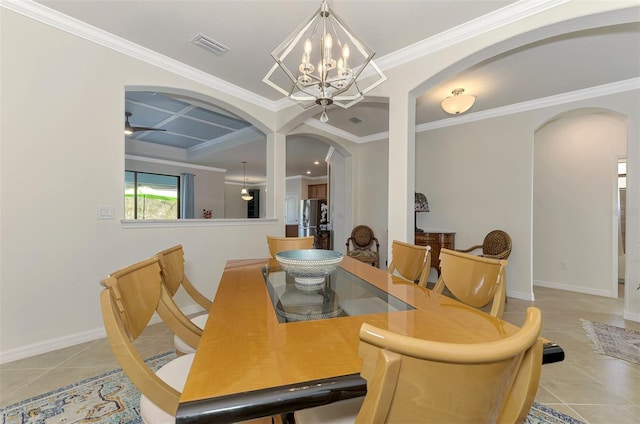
x=245, y=349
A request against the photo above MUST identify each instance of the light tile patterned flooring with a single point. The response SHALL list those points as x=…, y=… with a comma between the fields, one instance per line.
x=588, y=386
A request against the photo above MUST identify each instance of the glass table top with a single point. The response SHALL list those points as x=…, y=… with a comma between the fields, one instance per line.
x=342, y=294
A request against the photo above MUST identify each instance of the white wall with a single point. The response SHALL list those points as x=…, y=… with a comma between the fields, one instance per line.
x=574, y=188
x=57, y=89
x=234, y=206
x=293, y=186
x=477, y=179
x=371, y=172
x=478, y=176
x=339, y=200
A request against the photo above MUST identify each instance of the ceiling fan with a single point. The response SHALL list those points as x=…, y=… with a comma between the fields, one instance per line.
x=128, y=129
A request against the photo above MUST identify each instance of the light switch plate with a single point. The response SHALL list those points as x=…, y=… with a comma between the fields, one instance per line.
x=105, y=212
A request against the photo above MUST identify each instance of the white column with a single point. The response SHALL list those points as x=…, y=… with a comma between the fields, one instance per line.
x=276, y=183
x=402, y=140
x=632, y=253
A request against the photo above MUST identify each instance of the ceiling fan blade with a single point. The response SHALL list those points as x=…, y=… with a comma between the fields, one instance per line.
x=137, y=129
x=128, y=129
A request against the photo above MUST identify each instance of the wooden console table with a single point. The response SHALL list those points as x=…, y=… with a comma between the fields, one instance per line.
x=436, y=240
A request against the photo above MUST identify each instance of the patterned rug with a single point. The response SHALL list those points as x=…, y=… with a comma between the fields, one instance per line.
x=613, y=341
x=111, y=398
x=108, y=398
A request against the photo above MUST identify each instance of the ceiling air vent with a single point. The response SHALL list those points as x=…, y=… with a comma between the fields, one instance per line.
x=355, y=120
x=209, y=44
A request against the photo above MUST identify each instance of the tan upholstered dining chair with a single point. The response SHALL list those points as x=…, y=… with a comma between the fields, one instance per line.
x=410, y=262
x=172, y=267
x=280, y=244
x=496, y=245
x=420, y=381
x=128, y=302
x=364, y=246
x=473, y=280
x=131, y=297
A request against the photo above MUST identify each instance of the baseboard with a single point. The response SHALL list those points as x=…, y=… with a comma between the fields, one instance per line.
x=572, y=288
x=71, y=340
x=631, y=316
x=51, y=345
x=520, y=295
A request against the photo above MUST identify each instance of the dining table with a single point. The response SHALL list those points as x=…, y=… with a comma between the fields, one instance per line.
x=271, y=346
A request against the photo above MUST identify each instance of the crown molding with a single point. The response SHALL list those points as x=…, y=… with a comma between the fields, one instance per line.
x=41, y=13
x=88, y=32
x=507, y=15
x=330, y=129
x=489, y=22
x=558, y=99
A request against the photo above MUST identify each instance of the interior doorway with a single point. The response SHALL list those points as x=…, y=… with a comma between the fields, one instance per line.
x=576, y=230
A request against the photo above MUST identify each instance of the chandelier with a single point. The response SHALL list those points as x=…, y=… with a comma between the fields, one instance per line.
x=244, y=193
x=324, y=62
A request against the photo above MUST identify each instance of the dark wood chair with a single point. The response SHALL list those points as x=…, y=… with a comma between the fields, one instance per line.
x=496, y=245
x=360, y=246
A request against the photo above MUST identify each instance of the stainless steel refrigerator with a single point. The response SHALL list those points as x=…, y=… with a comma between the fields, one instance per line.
x=309, y=217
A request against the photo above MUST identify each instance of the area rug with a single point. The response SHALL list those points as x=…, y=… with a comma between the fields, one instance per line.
x=108, y=398
x=613, y=341
x=111, y=398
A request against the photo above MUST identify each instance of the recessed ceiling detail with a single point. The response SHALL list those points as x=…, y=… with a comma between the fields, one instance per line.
x=210, y=44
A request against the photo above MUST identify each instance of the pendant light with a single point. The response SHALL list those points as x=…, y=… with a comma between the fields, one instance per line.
x=244, y=193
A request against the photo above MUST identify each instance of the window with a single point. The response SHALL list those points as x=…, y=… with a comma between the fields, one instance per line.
x=151, y=196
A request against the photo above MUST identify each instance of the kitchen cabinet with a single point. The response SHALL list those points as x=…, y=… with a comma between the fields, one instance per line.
x=317, y=191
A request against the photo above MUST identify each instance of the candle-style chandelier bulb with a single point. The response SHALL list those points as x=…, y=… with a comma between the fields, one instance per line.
x=336, y=77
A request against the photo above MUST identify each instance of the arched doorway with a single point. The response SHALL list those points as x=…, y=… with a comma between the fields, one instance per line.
x=575, y=223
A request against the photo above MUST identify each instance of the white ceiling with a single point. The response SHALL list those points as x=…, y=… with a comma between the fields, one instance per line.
x=251, y=29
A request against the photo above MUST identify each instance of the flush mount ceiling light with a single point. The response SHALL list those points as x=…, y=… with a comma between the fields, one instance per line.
x=244, y=193
x=458, y=103
x=322, y=76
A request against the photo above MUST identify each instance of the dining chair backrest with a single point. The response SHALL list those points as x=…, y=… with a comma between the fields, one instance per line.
x=496, y=245
x=474, y=280
x=172, y=266
x=412, y=380
x=280, y=244
x=131, y=297
x=410, y=261
x=476, y=382
x=363, y=245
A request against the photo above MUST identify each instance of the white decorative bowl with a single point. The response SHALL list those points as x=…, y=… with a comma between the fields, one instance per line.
x=307, y=305
x=309, y=266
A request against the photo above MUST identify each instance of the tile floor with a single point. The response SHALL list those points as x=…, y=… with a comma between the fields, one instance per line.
x=588, y=386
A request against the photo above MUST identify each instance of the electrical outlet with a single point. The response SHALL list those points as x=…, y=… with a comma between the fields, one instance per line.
x=563, y=266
